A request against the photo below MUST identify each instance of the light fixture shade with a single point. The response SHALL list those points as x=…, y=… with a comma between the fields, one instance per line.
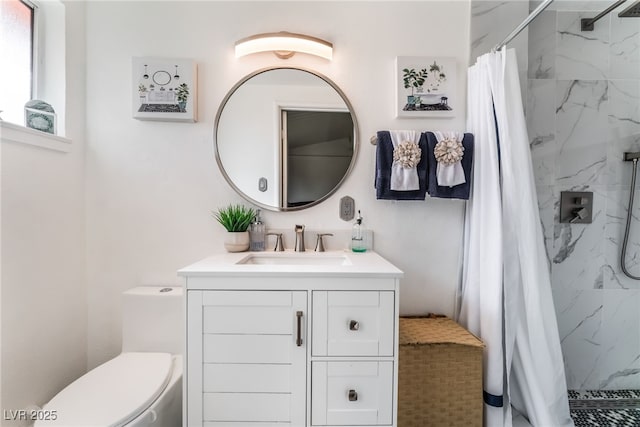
x=284, y=45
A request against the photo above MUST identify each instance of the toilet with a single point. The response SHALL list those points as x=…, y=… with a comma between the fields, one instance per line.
x=143, y=385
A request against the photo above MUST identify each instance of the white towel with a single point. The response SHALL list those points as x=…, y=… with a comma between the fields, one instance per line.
x=449, y=175
x=404, y=179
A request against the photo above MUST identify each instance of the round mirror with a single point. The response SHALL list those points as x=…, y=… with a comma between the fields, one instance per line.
x=285, y=138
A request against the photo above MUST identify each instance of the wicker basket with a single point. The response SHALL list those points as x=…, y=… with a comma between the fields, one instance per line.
x=440, y=374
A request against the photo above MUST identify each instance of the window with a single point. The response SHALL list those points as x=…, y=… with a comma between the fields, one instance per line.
x=16, y=51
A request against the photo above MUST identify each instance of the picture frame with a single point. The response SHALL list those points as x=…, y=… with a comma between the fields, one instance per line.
x=43, y=121
x=164, y=89
x=426, y=86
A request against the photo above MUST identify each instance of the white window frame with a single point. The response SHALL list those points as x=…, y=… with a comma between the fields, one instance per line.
x=13, y=133
x=34, y=46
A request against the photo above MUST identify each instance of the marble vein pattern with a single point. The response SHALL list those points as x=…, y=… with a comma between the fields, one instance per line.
x=581, y=55
x=600, y=337
x=542, y=46
x=625, y=48
x=620, y=361
x=547, y=198
x=624, y=108
x=581, y=132
x=541, y=124
x=580, y=326
x=492, y=21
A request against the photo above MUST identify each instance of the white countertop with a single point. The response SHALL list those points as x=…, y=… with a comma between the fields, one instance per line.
x=367, y=264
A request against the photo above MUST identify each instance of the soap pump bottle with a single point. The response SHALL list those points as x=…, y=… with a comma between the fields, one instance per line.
x=257, y=234
x=358, y=236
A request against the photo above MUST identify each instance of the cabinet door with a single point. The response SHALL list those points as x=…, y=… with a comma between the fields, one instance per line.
x=254, y=358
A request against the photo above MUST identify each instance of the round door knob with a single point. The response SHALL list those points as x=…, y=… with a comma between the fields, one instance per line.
x=354, y=325
x=353, y=396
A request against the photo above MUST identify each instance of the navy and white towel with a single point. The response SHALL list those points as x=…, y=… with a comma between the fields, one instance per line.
x=393, y=181
x=449, y=181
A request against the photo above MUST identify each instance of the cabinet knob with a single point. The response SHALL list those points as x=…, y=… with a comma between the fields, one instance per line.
x=354, y=325
x=353, y=396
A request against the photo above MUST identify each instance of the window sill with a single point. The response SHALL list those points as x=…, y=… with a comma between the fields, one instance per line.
x=15, y=133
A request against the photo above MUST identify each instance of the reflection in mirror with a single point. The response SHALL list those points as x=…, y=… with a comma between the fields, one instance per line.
x=319, y=148
x=285, y=138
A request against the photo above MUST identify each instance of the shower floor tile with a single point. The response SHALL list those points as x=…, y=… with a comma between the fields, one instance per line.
x=606, y=417
x=620, y=408
x=603, y=394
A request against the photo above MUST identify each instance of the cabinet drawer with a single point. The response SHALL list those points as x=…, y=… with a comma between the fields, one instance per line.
x=358, y=323
x=352, y=393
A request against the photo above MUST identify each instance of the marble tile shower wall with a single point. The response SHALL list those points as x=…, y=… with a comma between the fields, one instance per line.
x=583, y=113
x=491, y=22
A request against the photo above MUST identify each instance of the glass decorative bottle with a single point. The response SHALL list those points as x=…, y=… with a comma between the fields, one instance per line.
x=358, y=236
x=257, y=234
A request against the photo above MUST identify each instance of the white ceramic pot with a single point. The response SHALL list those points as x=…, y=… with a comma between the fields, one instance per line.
x=236, y=241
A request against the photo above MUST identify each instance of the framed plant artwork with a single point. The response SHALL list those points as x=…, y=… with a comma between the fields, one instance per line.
x=164, y=89
x=426, y=86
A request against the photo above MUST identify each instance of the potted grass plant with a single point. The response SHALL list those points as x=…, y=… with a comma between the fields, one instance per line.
x=236, y=220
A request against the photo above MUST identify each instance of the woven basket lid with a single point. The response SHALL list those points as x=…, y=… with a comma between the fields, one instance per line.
x=442, y=330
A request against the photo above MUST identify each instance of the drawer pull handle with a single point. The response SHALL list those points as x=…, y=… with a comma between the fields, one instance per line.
x=354, y=325
x=353, y=395
x=299, y=334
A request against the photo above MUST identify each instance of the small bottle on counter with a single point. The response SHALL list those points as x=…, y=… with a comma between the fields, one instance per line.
x=358, y=236
x=257, y=234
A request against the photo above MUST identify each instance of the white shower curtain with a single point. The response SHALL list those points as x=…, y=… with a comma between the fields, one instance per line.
x=505, y=295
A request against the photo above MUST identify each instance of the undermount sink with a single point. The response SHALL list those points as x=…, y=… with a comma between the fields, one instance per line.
x=295, y=259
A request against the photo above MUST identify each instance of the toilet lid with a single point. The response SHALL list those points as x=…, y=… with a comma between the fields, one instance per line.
x=114, y=393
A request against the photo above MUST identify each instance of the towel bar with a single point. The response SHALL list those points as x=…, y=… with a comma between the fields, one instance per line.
x=373, y=140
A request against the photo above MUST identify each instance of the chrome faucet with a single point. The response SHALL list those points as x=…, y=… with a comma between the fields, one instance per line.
x=299, y=238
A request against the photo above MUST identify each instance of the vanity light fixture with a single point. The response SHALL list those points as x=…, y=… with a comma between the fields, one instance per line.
x=284, y=45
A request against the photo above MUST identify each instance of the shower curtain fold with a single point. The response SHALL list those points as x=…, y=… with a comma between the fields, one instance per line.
x=481, y=294
x=533, y=370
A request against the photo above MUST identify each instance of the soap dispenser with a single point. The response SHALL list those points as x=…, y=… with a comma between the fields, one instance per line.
x=358, y=236
x=257, y=234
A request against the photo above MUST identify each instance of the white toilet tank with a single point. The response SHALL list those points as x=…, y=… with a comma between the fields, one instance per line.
x=152, y=320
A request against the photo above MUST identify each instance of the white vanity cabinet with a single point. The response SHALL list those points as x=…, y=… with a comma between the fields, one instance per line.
x=291, y=345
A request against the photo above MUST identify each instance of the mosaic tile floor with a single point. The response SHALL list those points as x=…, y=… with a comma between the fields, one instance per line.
x=605, y=408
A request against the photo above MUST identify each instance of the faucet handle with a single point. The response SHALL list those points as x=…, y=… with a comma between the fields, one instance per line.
x=279, y=246
x=320, y=243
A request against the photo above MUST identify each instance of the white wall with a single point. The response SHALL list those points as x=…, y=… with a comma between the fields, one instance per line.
x=50, y=66
x=43, y=306
x=151, y=185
